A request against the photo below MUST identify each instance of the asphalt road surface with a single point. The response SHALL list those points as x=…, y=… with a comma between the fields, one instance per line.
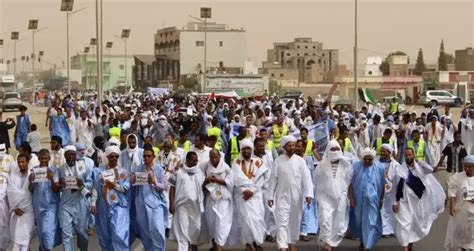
x=433, y=242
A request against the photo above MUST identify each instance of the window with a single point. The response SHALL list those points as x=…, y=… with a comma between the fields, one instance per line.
x=298, y=46
x=199, y=43
x=314, y=47
x=221, y=43
x=273, y=74
x=314, y=54
x=122, y=67
x=298, y=54
x=306, y=47
x=288, y=54
x=281, y=75
x=288, y=62
x=306, y=54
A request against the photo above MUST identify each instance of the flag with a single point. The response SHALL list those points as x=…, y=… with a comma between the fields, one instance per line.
x=212, y=97
x=367, y=96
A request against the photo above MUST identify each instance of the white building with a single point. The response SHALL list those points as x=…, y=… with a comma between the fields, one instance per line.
x=181, y=51
x=372, y=66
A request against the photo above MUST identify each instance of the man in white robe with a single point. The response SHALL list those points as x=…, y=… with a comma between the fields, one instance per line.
x=22, y=217
x=332, y=178
x=435, y=133
x=218, y=186
x=200, y=148
x=6, y=163
x=460, y=232
x=391, y=166
x=419, y=200
x=187, y=203
x=250, y=179
x=290, y=190
x=85, y=130
x=467, y=130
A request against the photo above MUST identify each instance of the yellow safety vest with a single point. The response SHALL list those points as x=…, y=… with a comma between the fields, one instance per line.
x=156, y=150
x=186, y=145
x=393, y=107
x=378, y=145
x=114, y=132
x=420, y=152
x=234, y=149
x=347, y=145
x=309, y=148
x=214, y=131
x=277, y=135
x=269, y=145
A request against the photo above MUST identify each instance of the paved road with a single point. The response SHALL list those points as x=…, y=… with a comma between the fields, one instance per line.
x=433, y=242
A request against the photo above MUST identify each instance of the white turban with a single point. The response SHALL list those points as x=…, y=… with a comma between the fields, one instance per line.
x=70, y=148
x=469, y=159
x=368, y=152
x=245, y=143
x=112, y=149
x=114, y=141
x=388, y=147
x=287, y=139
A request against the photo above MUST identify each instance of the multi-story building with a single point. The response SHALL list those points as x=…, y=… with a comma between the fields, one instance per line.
x=398, y=65
x=114, y=71
x=302, y=60
x=180, y=52
x=464, y=59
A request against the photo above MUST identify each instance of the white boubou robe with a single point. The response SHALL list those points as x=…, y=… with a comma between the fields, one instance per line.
x=333, y=203
x=434, y=140
x=189, y=206
x=5, y=167
x=416, y=216
x=219, y=206
x=170, y=163
x=460, y=232
x=249, y=215
x=290, y=184
x=467, y=133
x=84, y=132
x=21, y=227
x=388, y=216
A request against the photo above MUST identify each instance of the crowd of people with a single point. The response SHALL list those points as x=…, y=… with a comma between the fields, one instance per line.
x=226, y=171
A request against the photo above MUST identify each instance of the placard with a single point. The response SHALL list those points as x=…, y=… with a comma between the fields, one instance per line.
x=141, y=178
x=108, y=175
x=41, y=174
x=71, y=182
x=469, y=193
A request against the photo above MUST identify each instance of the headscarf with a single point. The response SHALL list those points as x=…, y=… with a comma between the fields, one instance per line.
x=333, y=156
x=368, y=152
x=246, y=143
x=469, y=159
x=70, y=148
x=287, y=139
x=388, y=147
x=112, y=149
x=133, y=153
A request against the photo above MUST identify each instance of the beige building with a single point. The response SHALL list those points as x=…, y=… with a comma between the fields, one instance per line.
x=464, y=59
x=398, y=65
x=302, y=60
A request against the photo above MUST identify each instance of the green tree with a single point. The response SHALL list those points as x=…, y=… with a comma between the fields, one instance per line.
x=191, y=82
x=443, y=58
x=274, y=87
x=385, y=66
x=420, y=66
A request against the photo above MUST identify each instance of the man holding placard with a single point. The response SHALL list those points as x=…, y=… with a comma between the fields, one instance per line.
x=76, y=183
x=111, y=207
x=45, y=189
x=150, y=201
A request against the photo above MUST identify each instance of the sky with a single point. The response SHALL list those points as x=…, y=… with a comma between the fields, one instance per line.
x=384, y=25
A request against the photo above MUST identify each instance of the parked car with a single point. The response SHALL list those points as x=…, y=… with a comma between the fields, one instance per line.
x=11, y=100
x=440, y=97
x=388, y=99
x=347, y=105
x=294, y=95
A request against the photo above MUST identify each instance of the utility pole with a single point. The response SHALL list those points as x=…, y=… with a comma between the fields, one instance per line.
x=355, y=61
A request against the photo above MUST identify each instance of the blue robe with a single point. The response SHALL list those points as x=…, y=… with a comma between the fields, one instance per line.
x=22, y=129
x=309, y=219
x=74, y=207
x=368, y=186
x=45, y=207
x=59, y=127
x=126, y=163
x=113, y=220
x=152, y=207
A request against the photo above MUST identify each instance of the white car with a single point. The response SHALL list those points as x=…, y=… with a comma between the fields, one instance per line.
x=439, y=97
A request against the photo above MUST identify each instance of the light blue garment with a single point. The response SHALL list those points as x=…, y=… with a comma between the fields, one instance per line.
x=59, y=127
x=74, y=207
x=125, y=161
x=309, y=219
x=151, y=204
x=22, y=129
x=45, y=206
x=368, y=185
x=113, y=219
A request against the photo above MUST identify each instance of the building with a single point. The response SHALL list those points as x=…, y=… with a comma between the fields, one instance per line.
x=451, y=81
x=144, y=71
x=180, y=52
x=302, y=60
x=243, y=84
x=398, y=65
x=372, y=66
x=114, y=71
x=464, y=59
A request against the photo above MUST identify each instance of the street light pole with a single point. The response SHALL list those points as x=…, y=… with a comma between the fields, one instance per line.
x=205, y=13
x=67, y=53
x=15, y=35
x=355, y=61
